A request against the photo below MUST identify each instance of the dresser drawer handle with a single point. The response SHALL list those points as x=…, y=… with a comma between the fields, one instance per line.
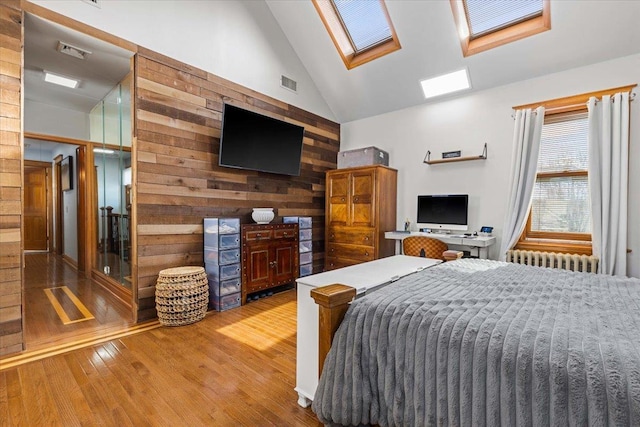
x=355, y=199
x=342, y=199
x=366, y=253
x=258, y=234
x=366, y=237
x=333, y=236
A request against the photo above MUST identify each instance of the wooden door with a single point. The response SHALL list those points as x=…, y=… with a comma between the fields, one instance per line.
x=338, y=198
x=284, y=262
x=362, y=207
x=37, y=190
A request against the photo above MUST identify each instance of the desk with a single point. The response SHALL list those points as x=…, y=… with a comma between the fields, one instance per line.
x=363, y=277
x=481, y=243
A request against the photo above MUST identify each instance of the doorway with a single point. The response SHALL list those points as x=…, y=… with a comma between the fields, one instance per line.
x=37, y=205
x=67, y=295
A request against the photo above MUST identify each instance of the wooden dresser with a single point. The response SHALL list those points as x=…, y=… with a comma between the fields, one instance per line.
x=269, y=256
x=360, y=207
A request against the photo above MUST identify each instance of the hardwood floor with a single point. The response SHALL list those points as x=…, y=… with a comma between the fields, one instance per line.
x=47, y=302
x=232, y=368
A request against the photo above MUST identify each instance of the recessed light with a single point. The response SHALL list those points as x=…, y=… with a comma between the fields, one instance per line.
x=103, y=151
x=446, y=83
x=60, y=80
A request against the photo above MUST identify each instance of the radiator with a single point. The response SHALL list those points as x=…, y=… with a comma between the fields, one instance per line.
x=573, y=262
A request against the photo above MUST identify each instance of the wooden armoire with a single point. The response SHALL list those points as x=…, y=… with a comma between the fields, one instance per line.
x=360, y=207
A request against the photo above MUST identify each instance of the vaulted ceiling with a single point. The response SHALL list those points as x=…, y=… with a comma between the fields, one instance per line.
x=582, y=32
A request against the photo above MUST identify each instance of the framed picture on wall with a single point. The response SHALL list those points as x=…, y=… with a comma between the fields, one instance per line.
x=66, y=173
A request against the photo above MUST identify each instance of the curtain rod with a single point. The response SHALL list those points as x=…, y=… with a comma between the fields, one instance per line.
x=575, y=100
x=568, y=108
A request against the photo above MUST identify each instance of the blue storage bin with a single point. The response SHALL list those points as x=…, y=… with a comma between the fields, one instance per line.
x=225, y=302
x=305, y=234
x=222, y=272
x=303, y=221
x=225, y=287
x=306, y=257
x=305, y=246
x=221, y=257
x=306, y=269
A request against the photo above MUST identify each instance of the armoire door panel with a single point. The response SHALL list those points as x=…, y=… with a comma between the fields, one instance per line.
x=338, y=199
x=362, y=199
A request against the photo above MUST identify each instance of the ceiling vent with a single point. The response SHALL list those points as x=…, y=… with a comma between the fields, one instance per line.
x=76, y=52
x=288, y=83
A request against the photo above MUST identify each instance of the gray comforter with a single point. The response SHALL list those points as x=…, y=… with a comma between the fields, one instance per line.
x=485, y=343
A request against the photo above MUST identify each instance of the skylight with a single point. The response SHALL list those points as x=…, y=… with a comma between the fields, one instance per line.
x=360, y=29
x=486, y=24
x=485, y=16
x=365, y=22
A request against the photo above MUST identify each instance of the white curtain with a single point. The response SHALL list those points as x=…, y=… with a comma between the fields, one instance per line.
x=524, y=164
x=608, y=180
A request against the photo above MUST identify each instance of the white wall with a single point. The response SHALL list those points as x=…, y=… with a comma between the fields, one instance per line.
x=466, y=123
x=239, y=41
x=52, y=120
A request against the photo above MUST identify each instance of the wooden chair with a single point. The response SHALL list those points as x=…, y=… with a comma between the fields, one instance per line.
x=424, y=246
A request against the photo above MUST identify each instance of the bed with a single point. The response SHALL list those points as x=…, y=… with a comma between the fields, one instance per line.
x=486, y=343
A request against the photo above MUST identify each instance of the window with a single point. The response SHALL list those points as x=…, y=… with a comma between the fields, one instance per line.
x=560, y=216
x=360, y=29
x=485, y=24
x=560, y=206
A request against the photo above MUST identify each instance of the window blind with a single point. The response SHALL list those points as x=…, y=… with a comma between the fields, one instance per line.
x=365, y=21
x=485, y=16
x=563, y=145
x=561, y=203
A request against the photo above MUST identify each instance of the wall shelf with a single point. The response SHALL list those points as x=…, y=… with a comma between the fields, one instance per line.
x=483, y=156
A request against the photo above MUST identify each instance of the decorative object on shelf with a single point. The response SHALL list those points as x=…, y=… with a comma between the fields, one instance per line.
x=427, y=158
x=262, y=215
x=407, y=225
x=451, y=154
x=182, y=295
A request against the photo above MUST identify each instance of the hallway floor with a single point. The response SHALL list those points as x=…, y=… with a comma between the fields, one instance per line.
x=62, y=306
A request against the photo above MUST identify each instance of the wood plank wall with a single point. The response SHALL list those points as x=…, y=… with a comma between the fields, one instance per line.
x=11, y=38
x=178, y=111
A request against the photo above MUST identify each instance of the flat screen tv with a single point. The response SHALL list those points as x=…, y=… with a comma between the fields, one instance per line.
x=443, y=212
x=252, y=141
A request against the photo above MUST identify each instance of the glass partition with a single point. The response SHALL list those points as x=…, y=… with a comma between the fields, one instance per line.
x=110, y=128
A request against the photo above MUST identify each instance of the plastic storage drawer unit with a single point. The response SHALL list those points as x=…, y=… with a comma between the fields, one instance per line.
x=222, y=260
x=226, y=302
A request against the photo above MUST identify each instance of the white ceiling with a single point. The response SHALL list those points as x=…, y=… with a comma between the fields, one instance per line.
x=582, y=32
x=98, y=73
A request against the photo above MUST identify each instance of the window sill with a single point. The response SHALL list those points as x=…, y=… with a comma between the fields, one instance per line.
x=562, y=246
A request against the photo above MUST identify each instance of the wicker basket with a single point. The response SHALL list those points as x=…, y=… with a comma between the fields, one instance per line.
x=182, y=295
